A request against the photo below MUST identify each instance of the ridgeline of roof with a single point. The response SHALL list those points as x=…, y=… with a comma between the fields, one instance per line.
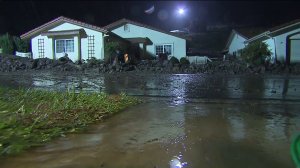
x=58, y=21
x=124, y=21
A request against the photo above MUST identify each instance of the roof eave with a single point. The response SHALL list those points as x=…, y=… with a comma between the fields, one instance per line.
x=257, y=37
x=58, y=21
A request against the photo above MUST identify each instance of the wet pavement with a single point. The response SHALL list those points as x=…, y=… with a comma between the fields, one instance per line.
x=203, y=120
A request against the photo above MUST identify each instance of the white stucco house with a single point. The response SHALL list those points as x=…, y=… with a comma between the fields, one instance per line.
x=283, y=41
x=80, y=40
x=66, y=36
x=153, y=41
x=236, y=42
x=238, y=37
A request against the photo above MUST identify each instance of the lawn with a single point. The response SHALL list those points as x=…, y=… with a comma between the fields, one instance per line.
x=31, y=117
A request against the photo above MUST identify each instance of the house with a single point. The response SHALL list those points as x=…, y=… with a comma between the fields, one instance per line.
x=150, y=40
x=63, y=35
x=78, y=40
x=283, y=41
x=238, y=37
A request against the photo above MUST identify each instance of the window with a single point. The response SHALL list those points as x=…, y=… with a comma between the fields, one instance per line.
x=126, y=28
x=164, y=48
x=91, y=46
x=65, y=45
x=41, y=48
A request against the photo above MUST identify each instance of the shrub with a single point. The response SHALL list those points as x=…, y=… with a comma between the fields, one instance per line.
x=6, y=43
x=21, y=45
x=184, y=61
x=109, y=50
x=174, y=60
x=256, y=53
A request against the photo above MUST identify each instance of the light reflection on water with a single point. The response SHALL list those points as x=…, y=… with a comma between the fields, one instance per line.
x=180, y=86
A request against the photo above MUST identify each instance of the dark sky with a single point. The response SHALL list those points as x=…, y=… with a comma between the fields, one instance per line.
x=17, y=17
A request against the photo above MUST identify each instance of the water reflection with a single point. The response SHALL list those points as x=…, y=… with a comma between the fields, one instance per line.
x=164, y=85
x=237, y=127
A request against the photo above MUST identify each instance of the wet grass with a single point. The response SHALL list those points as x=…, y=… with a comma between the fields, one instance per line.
x=33, y=117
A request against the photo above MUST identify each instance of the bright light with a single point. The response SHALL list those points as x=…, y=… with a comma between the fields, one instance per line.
x=181, y=11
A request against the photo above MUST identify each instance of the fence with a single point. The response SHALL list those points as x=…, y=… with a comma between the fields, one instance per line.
x=198, y=59
x=21, y=54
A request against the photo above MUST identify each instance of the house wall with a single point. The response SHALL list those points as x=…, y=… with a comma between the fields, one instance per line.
x=271, y=46
x=236, y=44
x=281, y=42
x=179, y=44
x=98, y=36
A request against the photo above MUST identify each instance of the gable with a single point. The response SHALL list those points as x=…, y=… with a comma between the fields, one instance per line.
x=133, y=31
x=60, y=21
x=234, y=36
x=122, y=22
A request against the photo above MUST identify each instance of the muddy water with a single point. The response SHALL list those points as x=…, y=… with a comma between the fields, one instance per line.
x=209, y=122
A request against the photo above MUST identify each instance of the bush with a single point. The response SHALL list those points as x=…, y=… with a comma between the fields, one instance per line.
x=21, y=45
x=7, y=44
x=256, y=53
x=109, y=50
x=174, y=60
x=184, y=61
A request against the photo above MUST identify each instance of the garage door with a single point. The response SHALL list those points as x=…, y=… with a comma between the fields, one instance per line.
x=295, y=50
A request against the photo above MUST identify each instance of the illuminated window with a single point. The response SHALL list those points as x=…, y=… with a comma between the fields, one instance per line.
x=91, y=46
x=126, y=28
x=41, y=48
x=64, y=45
x=164, y=48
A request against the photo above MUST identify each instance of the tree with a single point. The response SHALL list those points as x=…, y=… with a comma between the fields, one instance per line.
x=7, y=44
x=256, y=53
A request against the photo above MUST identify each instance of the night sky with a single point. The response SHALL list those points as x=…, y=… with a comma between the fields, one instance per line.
x=17, y=17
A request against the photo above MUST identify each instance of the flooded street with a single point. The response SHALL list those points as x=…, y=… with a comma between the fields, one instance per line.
x=198, y=120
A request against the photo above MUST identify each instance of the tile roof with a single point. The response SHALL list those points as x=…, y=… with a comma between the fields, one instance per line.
x=297, y=21
x=249, y=32
x=125, y=21
x=58, y=21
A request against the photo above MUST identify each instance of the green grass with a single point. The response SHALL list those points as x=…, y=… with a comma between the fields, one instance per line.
x=33, y=117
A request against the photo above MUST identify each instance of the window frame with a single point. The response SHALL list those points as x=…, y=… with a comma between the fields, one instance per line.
x=163, y=48
x=65, y=48
x=126, y=28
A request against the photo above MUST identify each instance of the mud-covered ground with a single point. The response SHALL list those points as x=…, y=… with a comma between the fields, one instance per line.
x=217, y=86
x=11, y=63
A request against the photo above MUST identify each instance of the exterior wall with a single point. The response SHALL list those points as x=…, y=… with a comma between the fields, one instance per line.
x=281, y=42
x=47, y=47
x=98, y=36
x=236, y=44
x=179, y=45
x=271, y=45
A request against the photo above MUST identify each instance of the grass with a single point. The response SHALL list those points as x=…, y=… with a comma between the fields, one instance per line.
x=33, y=117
